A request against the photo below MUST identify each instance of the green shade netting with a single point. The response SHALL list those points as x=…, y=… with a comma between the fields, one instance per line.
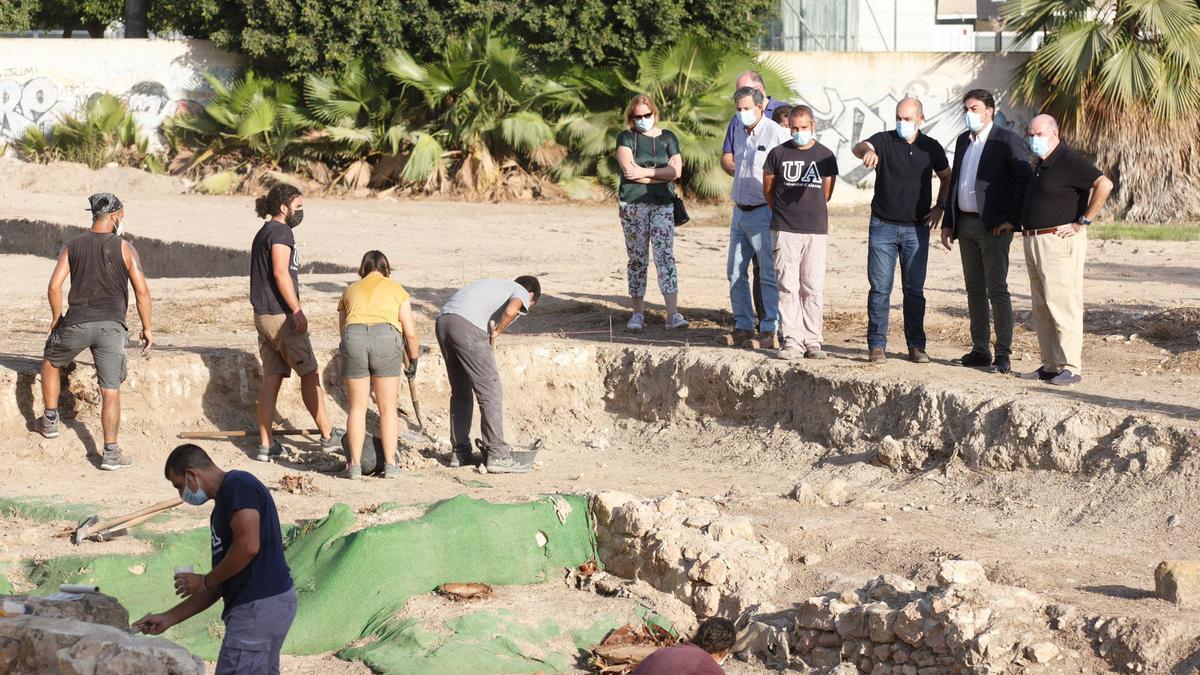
x=350, y=585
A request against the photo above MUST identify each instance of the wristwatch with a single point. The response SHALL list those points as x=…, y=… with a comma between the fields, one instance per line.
x=1084, y=221
x=941, y=205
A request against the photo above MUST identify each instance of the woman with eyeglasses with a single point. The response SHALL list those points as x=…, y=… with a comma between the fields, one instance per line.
x=649, y=159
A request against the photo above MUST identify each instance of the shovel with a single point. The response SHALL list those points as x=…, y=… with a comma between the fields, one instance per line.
x=93, y=526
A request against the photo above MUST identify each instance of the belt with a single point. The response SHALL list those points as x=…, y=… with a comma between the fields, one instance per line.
x=1038, y=233
x=749, y=207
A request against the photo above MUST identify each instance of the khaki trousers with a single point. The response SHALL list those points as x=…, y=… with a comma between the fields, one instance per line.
x=1056, y=286
x=800, y=274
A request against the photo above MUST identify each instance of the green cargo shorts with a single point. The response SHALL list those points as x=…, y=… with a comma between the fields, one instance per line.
x=375, y=349
x=106, y=339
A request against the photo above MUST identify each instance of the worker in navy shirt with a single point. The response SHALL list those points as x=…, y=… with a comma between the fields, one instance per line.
x=249, y=571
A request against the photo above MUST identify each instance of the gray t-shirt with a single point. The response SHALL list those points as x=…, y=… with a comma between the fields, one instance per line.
x=484, y=300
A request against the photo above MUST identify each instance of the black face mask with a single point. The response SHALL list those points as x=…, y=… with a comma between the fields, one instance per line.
x=294, y=218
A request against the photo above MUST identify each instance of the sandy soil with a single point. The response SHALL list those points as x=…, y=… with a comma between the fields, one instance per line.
x=1091, y=540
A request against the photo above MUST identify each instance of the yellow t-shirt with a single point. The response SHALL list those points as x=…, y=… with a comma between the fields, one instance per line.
x=373, y=299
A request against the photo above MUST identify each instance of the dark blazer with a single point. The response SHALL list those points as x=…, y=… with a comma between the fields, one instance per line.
x=1004, y=172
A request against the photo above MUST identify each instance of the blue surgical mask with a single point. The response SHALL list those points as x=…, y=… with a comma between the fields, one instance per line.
x=1039, y=145
x=196, y=497
x=748, y=117
x=973, y=121
x=802, y=138
x=906, y=129
x=644, y=124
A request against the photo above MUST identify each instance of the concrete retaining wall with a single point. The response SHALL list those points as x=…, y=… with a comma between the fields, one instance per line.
x=43, y=79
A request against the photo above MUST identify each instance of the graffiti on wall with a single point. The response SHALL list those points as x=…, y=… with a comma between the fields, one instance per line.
x=39, y=102
x=842, y=120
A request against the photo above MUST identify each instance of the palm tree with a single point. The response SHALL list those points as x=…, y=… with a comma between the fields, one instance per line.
x=1123, y=79
x=104, y=132
x=691, y=82
x=477, y=110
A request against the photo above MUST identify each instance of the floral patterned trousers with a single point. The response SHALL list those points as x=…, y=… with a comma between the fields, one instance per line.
x=646, y=227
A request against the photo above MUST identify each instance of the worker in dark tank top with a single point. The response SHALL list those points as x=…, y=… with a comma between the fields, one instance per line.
x=101, y=265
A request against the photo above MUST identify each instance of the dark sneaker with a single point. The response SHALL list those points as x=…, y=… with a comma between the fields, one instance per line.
x=1039, y=374
x=462, y=458
x=508, y=464
x=1002, y=365
x=877, y=355
x=352, y=472
x=1066, y=378
x=392, y=471
x=266, y=454
x=46, y=427
x=974, y=360
x=814, y=353
x=917, y=355
x=115, y=459
x=334, y=442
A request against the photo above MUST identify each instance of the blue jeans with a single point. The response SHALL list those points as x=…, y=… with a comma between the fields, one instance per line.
x=886, y=243
x=750, y=238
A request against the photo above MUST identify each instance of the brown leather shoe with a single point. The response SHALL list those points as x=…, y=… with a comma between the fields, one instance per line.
x=877, y=355
x=768, y=340
x=738, y=338
x=918, y=355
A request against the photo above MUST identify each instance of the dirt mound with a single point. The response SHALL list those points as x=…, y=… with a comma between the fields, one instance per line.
x=71, y=178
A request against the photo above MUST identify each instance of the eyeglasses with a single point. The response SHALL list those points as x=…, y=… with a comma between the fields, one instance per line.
x=643, y=117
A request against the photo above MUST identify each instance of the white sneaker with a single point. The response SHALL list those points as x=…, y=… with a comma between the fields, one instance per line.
x=790, y=352
x=676, y=322
x=636, y=323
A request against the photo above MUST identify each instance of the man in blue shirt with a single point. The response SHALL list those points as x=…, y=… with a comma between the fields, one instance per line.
x=249, y=571
x=752, y=79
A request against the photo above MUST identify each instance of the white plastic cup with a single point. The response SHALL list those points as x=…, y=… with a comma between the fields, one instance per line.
x=184, y=569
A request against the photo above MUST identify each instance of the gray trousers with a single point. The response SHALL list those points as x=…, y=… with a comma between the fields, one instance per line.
x=254, y=634
x=985, y=271
x=471, y=368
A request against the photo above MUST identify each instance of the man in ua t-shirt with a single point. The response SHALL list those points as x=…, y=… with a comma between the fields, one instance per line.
x=798, y=179
x=905, y=161
x=249, y=571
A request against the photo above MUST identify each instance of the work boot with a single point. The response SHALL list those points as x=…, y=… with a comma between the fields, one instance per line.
x=877, y=355
x=768, y=339
x=392, y=471
x=507, y=464
x=266, y=454
x=46, y=426
x=814, y=353
x=738, y=338
x=334, y=442
x=114, y=459
x=790, y=352
x=917, y=355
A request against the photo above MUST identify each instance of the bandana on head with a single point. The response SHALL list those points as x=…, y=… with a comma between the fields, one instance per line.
x=104, y=202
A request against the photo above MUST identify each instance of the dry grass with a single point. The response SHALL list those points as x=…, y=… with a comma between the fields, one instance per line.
x=1145, y=231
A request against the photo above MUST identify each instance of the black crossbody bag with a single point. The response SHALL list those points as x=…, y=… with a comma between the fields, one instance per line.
x=681, y=214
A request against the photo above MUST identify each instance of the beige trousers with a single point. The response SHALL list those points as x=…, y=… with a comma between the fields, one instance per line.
x=800, y=274
x=1056, y=287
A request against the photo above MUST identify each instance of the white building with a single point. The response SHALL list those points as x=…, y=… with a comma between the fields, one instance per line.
x=891, y=26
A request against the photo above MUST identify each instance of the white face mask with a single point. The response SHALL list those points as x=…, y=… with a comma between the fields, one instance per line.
x=974, y=121
x=120, y=227
x=748, y=117
x=644, y=124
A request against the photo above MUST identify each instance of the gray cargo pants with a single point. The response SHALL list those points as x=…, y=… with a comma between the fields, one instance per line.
x=471, y=368
x=254, y=634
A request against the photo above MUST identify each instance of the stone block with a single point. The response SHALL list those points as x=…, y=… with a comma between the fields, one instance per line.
x=90, y=607
x=823, y=657
x=70, y=647
x=814, y=613
x=830, y=639
x=1041, y=652
x=706, y=600
x=889, y=586
x=966, y=573
x=713, y=572
x=852, y=623
x=604, y=503
x=910, y=623
x=806, y=495
x=881, y=622
x=731, y=527
x=1178, y=581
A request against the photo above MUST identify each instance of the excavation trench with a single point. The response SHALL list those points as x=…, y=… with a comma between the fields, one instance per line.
x=696, y=391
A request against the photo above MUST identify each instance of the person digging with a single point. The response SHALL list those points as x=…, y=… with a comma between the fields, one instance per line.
x=466, y=331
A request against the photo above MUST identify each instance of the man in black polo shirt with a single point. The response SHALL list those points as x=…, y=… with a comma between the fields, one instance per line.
x=905, y=161
x=1057, y=211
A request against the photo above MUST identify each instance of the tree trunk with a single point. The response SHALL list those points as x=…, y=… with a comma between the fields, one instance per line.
x=135, y=19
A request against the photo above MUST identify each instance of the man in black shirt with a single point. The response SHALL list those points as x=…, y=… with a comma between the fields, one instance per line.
x=283, y=341
x=798, y=179
x=249, y=571
x=905, y=161
x=1057, y=211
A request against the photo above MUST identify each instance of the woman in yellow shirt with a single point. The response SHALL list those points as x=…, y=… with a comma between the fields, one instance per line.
x=375, y=316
